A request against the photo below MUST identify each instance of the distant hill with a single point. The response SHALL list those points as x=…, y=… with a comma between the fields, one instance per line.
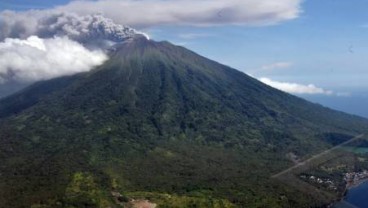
x=160, y=122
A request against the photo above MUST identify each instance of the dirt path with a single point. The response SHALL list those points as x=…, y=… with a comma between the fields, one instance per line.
x=316, y=157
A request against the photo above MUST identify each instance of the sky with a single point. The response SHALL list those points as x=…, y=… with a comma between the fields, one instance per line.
x=314, y=49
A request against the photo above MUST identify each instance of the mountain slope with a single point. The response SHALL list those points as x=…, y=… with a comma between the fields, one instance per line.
x=157, y=118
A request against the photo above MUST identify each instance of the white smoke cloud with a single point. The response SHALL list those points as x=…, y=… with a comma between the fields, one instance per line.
x=145, y=13
x=295, y=88
x=36, y=59
x=277, y=65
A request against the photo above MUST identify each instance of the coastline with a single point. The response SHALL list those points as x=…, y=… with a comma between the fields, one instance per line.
x=355, y=184
x=349, y=186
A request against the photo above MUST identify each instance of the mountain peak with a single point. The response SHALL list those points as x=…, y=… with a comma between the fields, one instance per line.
x=130, y=45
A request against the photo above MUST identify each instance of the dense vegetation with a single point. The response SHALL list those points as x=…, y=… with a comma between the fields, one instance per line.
x=159, y=122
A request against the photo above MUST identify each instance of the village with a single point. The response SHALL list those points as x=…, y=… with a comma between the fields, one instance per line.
x=351, y=179
x=355, y=178
x=327, y=183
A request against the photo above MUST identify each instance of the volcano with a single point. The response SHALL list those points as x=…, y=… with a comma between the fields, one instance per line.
x=159, y=122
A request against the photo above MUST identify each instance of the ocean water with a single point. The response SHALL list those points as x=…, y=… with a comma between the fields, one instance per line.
x=358, y=196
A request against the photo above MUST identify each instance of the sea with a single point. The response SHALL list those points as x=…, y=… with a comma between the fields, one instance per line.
x=356, y=197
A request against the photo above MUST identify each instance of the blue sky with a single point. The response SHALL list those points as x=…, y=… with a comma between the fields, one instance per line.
x=30, y=4
x=326, y=45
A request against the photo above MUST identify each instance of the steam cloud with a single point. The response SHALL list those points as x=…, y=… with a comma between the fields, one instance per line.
x=295, y=88
x=36, y=59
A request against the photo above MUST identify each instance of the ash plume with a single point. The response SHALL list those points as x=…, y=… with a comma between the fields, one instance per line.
x=38, y=45
x=90, y=30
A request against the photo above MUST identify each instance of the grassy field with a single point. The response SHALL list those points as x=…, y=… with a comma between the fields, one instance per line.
x=357, y=150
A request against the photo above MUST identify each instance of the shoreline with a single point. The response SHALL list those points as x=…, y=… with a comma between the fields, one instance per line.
x=355, y=184
x=348, y=187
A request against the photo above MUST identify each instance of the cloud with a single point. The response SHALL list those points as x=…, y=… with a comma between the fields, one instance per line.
x=295, y=88
x=36, y=59
x=145, y=13
x=270, y=69
x=190, y=36
x=277, y=65
x=343, y=94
